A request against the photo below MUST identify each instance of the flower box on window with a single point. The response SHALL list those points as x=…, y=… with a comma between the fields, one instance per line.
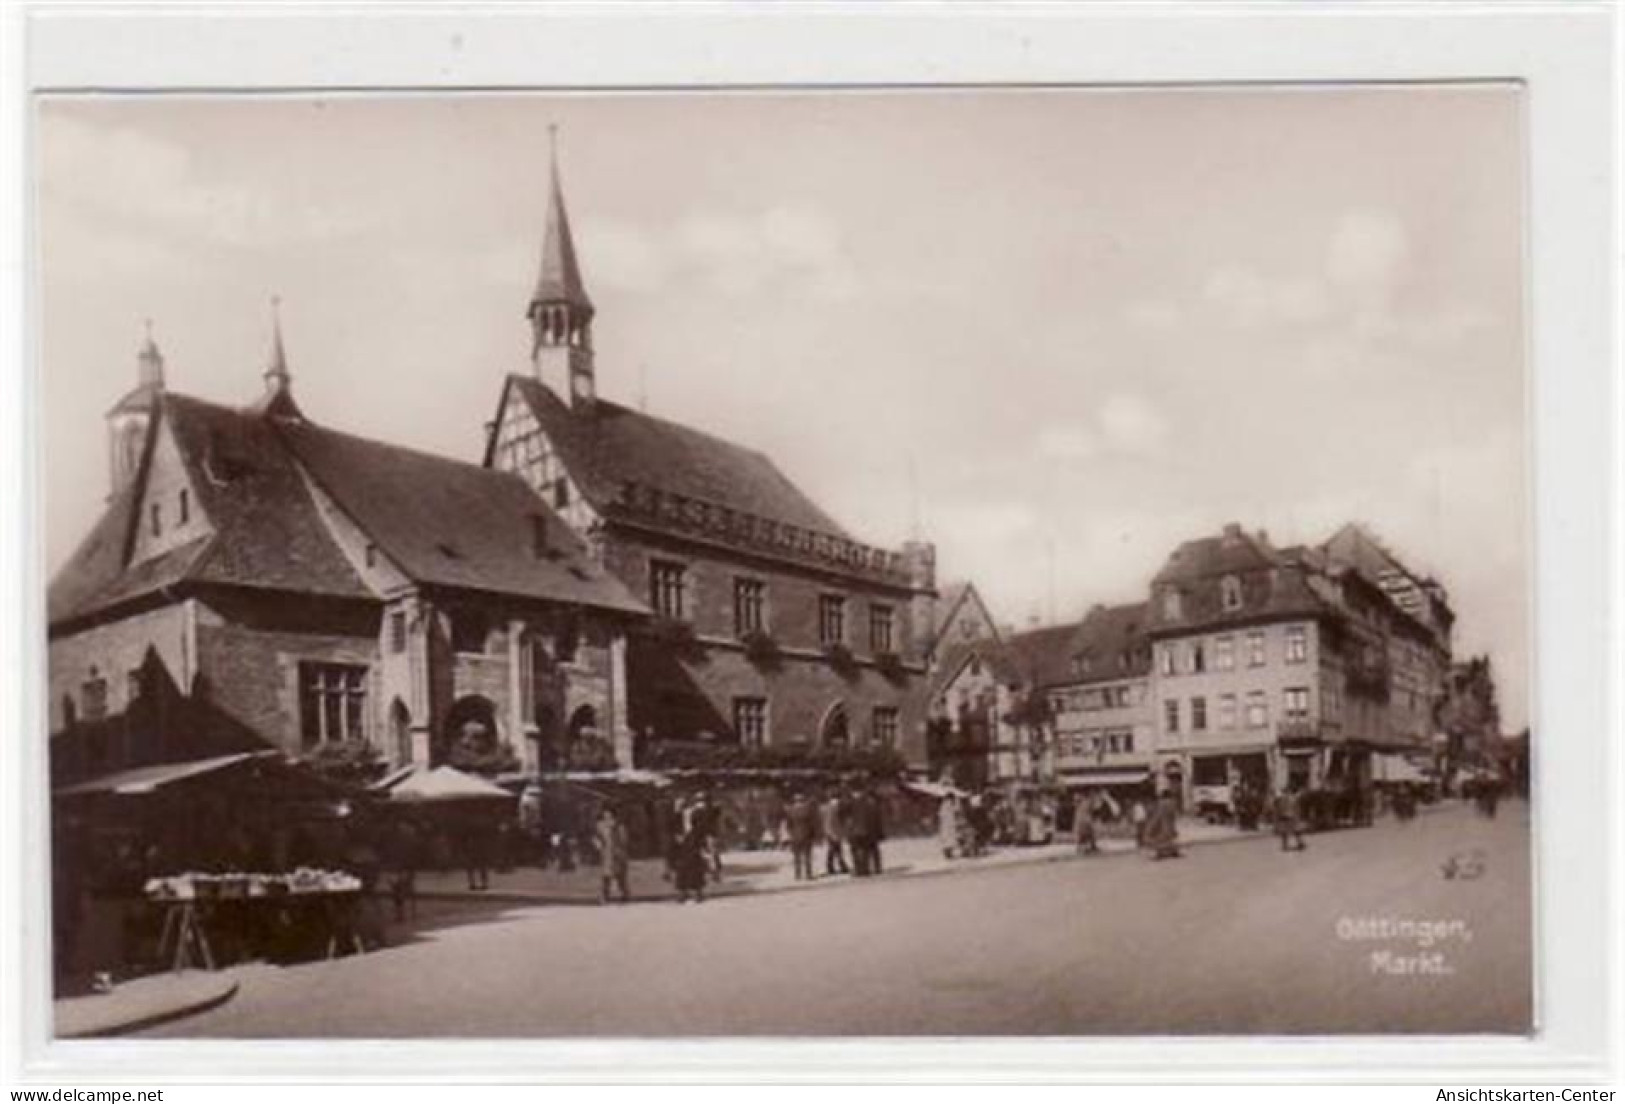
x=840, y=657
x=890, y=664
x=762, y=649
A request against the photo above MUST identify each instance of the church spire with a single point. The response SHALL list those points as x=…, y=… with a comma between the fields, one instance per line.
x=560, y=310
x=559, y=280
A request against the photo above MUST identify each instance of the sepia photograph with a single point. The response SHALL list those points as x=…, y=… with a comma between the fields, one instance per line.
x=975, y=562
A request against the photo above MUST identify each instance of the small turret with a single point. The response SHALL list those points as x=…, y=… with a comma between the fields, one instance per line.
x=130, y=419
x=278, y=398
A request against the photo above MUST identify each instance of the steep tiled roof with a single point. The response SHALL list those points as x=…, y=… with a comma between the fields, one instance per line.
x=604, y=446
x=955, y=656
x=1112, y=639
x=445, y=523
x=268, y=533
x=1044, y=656
x=453, y=524
x=1234, y=551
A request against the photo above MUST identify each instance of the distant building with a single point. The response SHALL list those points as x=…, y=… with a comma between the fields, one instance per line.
x=1103, y=726
x=1291, y=666
x=258, y=580
x=971, y=740
x=772, y=626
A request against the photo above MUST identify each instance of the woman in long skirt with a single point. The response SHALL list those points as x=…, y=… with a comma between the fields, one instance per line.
x=1162, y=829
x=688, y=865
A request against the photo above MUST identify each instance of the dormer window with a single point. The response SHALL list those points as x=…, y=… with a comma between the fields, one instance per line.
x=1172, y=607
x=1230, y=592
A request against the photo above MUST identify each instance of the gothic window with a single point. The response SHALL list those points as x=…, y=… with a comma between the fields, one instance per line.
x=332, y=703
x=668, y=585
x=397, y=631
x=884, y=727
x=750, y=721
x=750, y=606
x=831, y=619
x=880, y=629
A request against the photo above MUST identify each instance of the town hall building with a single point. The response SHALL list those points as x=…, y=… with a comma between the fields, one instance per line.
x=772, y=626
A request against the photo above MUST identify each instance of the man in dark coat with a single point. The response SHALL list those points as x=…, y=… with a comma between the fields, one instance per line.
x=801, y=817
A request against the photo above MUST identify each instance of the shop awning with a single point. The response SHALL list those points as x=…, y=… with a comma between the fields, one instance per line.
x=446, y=784
x=145, y=780
x=938, y=790
x=1105, y=776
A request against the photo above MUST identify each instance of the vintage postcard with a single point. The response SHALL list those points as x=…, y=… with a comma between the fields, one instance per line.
x=938, y=562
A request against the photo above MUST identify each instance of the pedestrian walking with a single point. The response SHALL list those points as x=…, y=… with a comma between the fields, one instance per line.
x=832, y=819
x=686, y=862
x=949, y=828
x=1138, y=815
x=801, y=817
x=1162, y=828
x=1083, y=827
x=614, y=855
x=866, y=831
x=1289, y=819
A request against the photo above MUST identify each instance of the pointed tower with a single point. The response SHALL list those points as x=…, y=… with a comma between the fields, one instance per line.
x=278, y=398
x=128, y=421
x=560, y=312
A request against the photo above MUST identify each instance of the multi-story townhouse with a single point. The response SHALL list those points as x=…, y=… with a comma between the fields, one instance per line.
x=1102, y=709
x=1287, y=667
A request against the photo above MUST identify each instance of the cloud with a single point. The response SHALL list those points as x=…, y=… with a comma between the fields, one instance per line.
x=1248, y=298
x=1153, y=314
x=779, y=250
x=142, y=183
x=1068, y=442
x=1132, y=425
x=1367, y=252
x=1125, y=424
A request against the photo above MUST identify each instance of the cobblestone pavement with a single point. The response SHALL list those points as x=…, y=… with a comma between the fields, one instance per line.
x=1419, y=927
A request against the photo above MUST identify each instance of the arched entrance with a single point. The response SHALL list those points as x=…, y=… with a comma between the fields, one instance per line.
x=834, y=732
x=400, y=732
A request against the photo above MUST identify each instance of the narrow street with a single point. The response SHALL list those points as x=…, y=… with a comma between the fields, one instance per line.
x=1234, y=937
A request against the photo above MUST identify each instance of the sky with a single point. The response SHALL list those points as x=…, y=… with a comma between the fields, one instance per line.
x=1054, y=331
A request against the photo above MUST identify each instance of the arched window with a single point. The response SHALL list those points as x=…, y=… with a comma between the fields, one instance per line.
x=1230, y=592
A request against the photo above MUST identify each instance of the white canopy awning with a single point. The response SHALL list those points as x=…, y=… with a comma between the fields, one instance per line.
x=445, y=784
